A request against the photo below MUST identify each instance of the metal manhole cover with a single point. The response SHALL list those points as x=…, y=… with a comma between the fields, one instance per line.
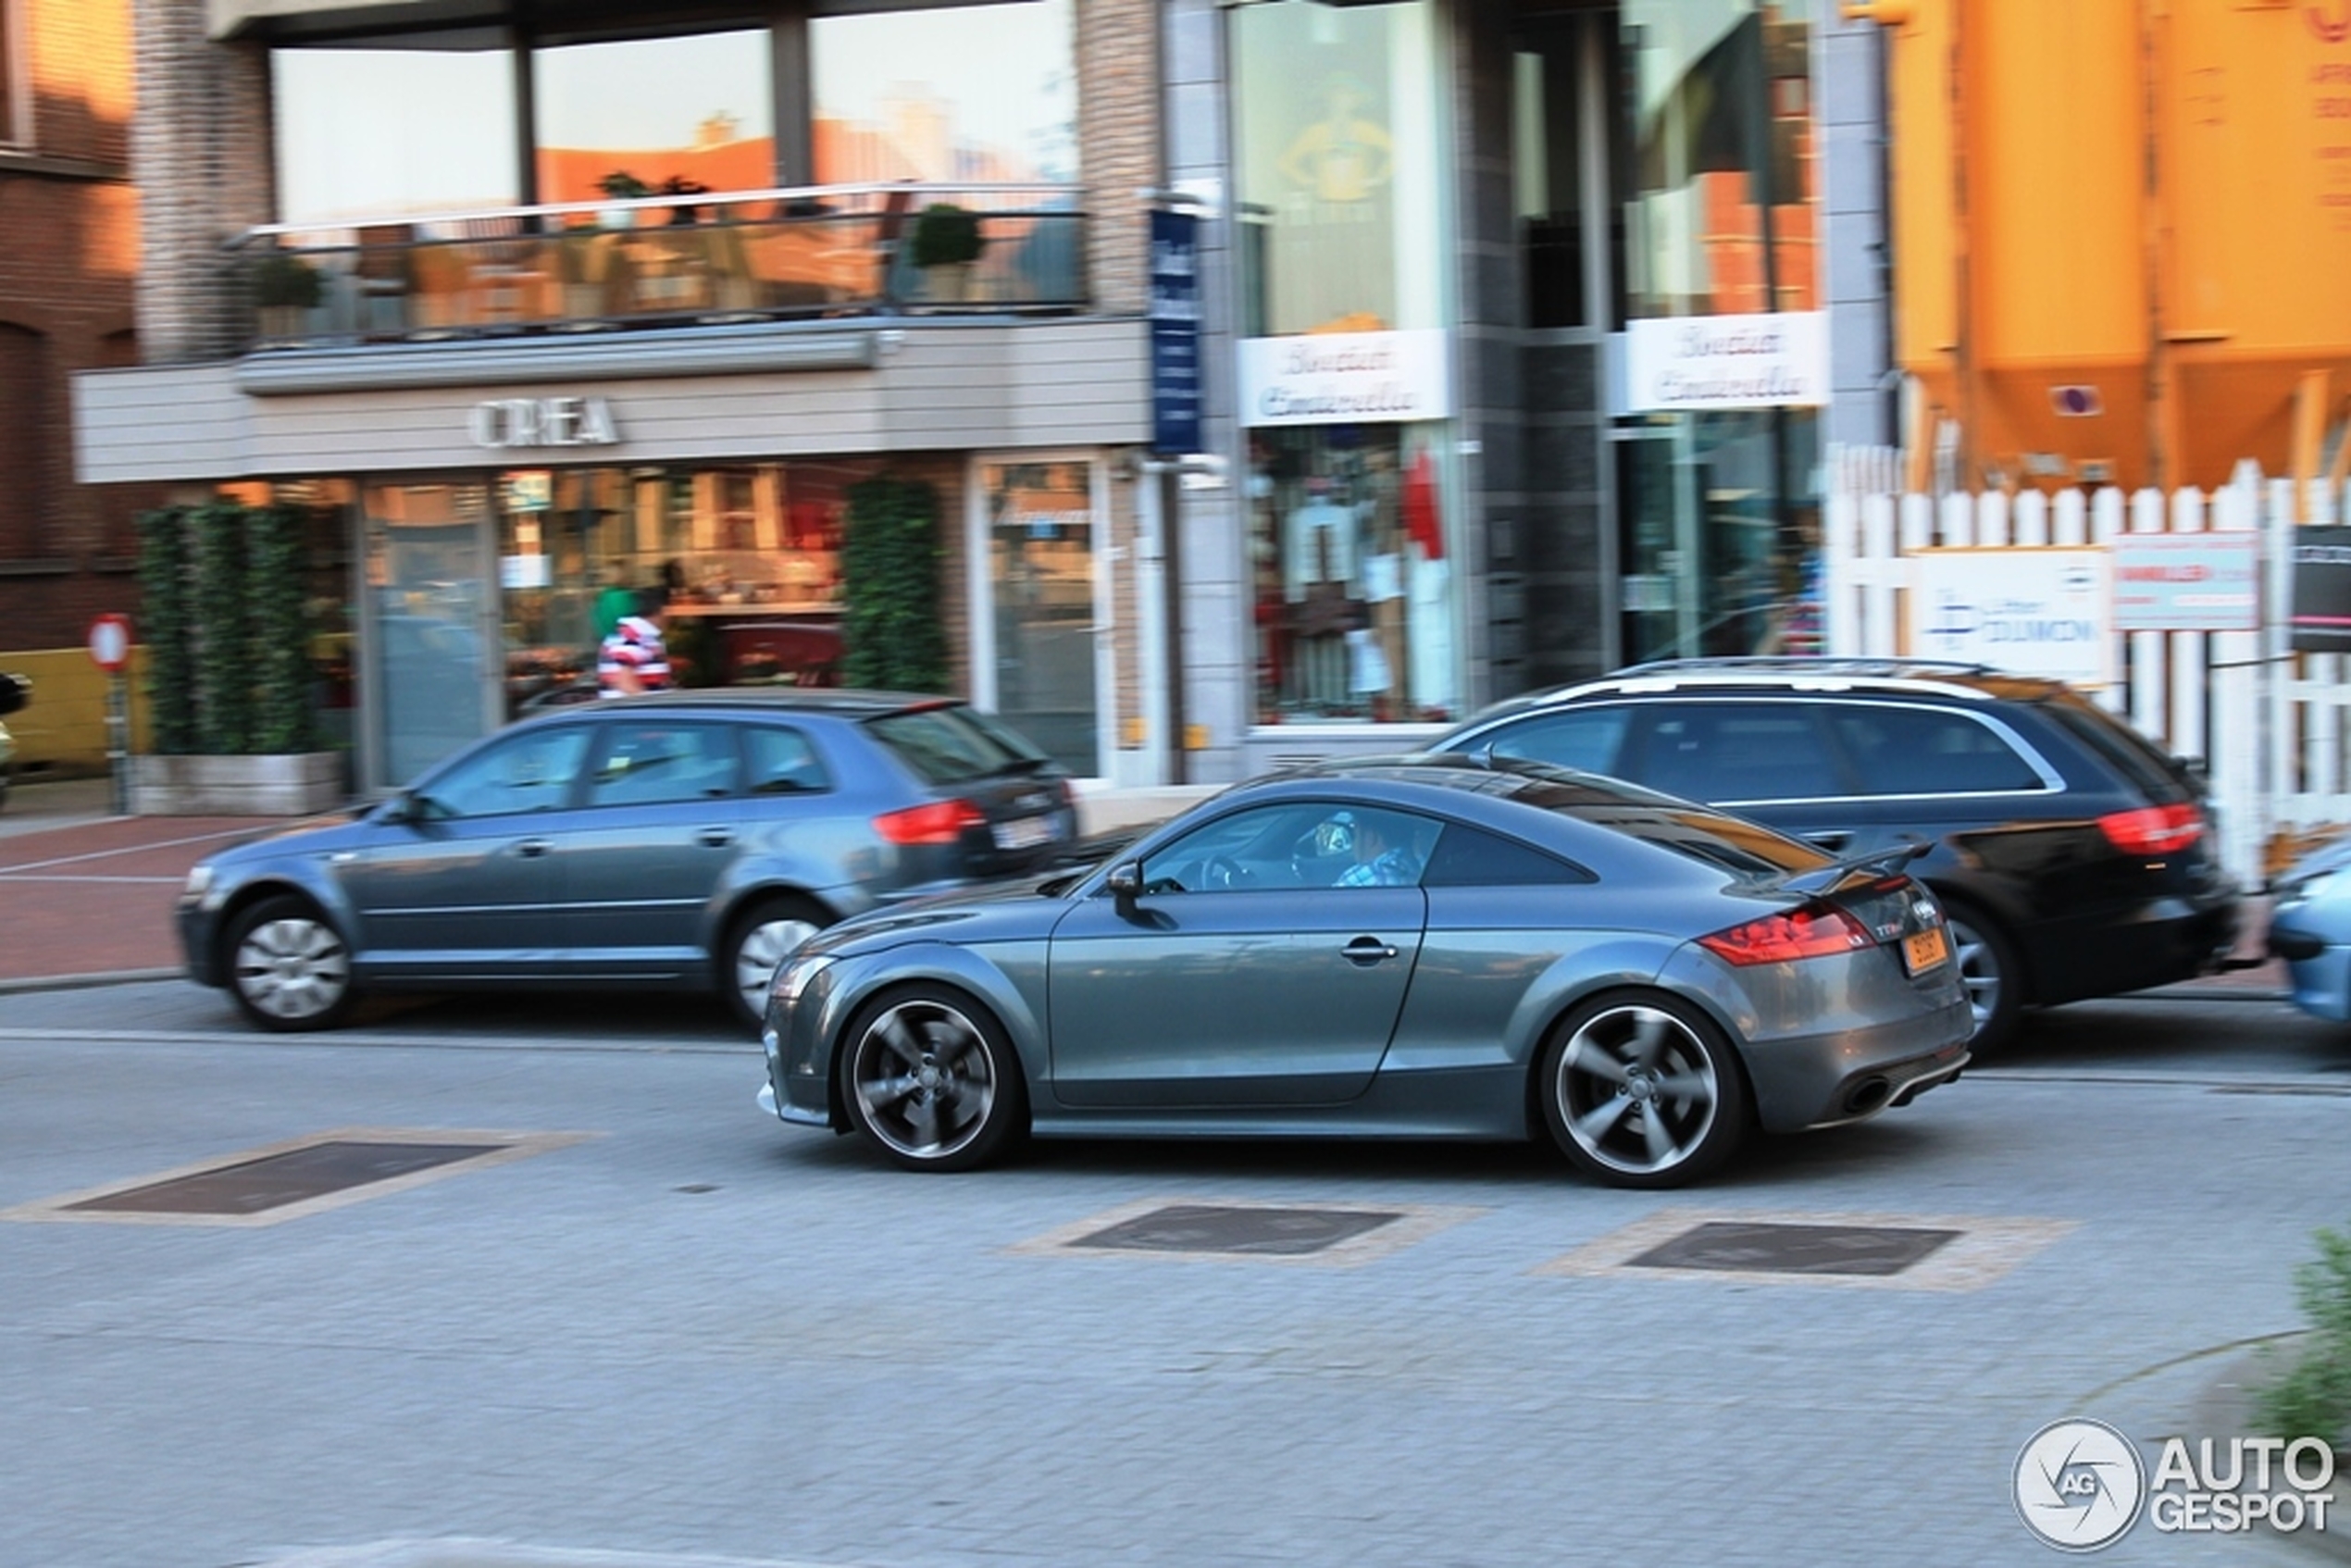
x=251, y=1186
x=1794, y=1249
x=1199, y=1228
x=302, y=1176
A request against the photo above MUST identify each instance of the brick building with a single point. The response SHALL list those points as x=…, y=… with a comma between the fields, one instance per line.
x=519, y=301
x=71, y=218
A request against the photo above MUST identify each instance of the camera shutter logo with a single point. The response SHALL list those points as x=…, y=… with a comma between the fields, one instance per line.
x=2079, y=1484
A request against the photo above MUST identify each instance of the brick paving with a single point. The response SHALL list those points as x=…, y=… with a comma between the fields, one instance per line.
x=84, y=893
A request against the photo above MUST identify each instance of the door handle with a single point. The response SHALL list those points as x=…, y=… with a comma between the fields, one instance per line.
x=1835, y=839
x=1365, y=952
x=531, y=849
x=717, y=838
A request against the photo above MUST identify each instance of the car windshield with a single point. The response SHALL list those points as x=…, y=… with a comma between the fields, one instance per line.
x=952, y=744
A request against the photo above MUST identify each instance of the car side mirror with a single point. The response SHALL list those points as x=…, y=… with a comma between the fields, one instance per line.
x=401, y=808
x=1125, y=882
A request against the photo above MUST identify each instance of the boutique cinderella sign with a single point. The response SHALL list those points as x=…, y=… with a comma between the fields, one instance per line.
x=1766, y=361
x=1345, y=378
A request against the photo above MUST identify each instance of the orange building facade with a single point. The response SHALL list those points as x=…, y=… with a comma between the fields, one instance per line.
x=2122, y=229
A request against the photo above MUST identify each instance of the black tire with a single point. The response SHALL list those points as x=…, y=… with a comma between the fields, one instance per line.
x=929, y=1079
x=1992, y=973
x=1641, y=1090
x=761, y=937
x=288, y=966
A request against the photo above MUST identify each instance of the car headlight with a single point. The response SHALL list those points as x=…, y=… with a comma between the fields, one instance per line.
x=199, y=883
x=793, y=978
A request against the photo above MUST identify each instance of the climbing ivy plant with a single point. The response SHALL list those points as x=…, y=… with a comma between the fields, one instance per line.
x=891, y=634
x=166, y=613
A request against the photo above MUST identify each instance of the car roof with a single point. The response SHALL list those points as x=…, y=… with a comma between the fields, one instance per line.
x=845, y=702
x=1811, y=675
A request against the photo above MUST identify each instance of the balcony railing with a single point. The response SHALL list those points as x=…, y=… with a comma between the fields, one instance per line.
x=663, y=261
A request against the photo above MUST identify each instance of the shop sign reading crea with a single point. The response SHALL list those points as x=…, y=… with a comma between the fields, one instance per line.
x=1345, y=378
x=502, y=424
x=1779, y=360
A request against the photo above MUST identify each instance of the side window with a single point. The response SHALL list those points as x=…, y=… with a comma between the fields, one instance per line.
x=1736, y=751
x=781, y=762
x=531, y=772
x=1471, y=857
x=1300, y=844
x=1588, y=739
x=660, y=762
x=1899, y=751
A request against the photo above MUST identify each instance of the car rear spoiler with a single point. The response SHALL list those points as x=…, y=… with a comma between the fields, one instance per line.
x=1884, y=861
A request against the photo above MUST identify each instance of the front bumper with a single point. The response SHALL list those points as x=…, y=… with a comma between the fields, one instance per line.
x=2318, y=971
x=775, y=1098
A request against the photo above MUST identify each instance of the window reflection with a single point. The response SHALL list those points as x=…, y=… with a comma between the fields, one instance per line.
x=927, y=95
x=376, y=132
x=671, y=113
x=1724, y=159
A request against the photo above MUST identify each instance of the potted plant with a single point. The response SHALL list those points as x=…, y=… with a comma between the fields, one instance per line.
x=945, y=242
x=622, y=186
x=285, y=290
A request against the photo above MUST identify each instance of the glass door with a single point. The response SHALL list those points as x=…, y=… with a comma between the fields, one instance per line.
x=435, y=667
x=1039, y=648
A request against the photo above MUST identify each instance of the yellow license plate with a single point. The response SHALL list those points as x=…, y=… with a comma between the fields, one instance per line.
x=1924, y=951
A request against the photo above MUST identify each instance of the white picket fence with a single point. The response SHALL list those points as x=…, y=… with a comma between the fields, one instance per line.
x=2267, y=723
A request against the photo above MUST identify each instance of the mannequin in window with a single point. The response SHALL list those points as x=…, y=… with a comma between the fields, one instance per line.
x=1319, y=562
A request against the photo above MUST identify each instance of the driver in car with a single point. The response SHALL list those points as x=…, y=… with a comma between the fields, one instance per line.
x=1378, y=864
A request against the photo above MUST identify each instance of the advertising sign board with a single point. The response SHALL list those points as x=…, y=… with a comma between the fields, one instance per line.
x=2029, y=611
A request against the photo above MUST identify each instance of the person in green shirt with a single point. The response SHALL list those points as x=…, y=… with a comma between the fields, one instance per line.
x=616, y=602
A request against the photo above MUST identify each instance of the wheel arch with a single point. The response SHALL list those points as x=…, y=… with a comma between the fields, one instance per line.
x=931, y=963
x=260, y=890
x=1994, y=912
x=1613, y=988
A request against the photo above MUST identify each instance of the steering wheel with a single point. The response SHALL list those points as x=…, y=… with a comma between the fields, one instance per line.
x=1220, y=872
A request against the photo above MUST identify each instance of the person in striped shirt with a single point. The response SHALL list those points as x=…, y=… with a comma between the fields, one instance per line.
x=633, y=658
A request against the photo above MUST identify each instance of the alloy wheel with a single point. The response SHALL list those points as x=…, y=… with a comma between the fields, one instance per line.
x=925, y=1080
x=1636, y=1091
x=1979, y=970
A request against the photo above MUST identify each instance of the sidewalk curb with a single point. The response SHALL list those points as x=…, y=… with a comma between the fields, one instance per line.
x=87, y=982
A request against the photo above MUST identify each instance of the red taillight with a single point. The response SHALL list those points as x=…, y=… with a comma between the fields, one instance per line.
x=1814, y=930
x=2153, y=829
x=941, y=822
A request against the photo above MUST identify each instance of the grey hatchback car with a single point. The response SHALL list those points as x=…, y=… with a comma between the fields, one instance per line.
x=685, y=840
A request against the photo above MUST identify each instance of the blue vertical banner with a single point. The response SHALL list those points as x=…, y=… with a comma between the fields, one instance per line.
x=1175, y=390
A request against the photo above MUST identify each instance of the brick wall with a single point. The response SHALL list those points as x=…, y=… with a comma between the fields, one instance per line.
x=67, y=276
x=201, y=148
x=1118, y=144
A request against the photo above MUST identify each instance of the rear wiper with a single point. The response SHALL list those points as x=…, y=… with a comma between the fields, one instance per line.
x=1820, y=878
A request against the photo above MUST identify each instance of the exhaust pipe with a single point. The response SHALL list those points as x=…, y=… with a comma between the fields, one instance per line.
x=1870, y=1094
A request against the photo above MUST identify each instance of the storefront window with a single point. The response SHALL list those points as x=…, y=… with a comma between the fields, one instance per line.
x=957, y=94
x=1340, y=154
x=749, y=557
x=1341, y=157
x=431, y=603
x=696, y=111
x=1353, y=575
x=378, y=132
x=1717, y=470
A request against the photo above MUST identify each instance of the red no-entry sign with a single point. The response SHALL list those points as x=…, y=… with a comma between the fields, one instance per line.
x=111, y=643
